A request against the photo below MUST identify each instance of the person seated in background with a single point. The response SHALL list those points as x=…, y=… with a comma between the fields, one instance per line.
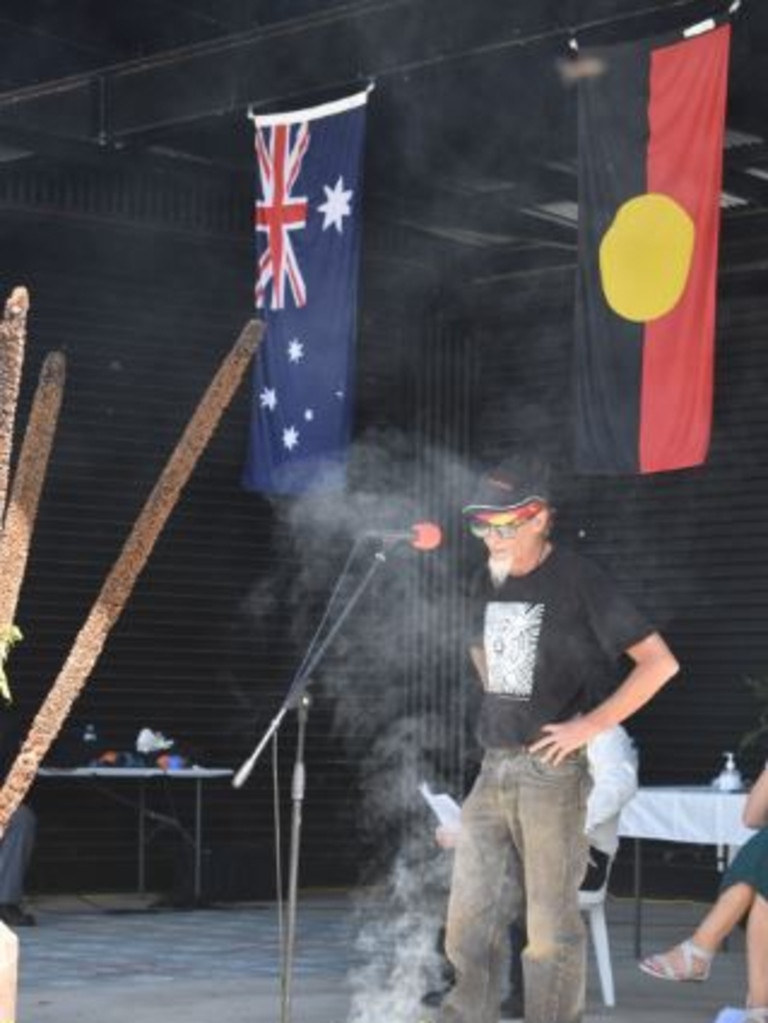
x=744, y=893
x=18, y=840
x=612, y=760
x=16, y=848
x=613, y=767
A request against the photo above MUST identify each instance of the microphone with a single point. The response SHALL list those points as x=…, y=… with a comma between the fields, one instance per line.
x=422, y=536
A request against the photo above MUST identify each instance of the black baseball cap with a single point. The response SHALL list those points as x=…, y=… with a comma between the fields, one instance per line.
x=512, y=483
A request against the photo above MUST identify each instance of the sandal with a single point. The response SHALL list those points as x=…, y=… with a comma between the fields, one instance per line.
x=684, y=962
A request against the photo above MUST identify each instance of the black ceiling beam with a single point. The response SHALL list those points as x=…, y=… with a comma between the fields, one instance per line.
x=741, y=157
x=472, y=221
x=745, y=186
x=25, y=142
x=495, y=268
x=327, y=51
x=336, y=48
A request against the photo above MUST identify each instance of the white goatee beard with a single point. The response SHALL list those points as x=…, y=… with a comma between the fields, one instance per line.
x=498, y=569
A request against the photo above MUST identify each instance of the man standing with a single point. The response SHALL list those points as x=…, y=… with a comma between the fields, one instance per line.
x=549, y=625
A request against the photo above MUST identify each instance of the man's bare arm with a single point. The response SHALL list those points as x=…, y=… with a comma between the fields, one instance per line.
x=655, y=665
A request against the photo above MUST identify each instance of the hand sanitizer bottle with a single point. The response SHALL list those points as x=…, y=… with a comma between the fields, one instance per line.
x=90, y=745
x=729, y=779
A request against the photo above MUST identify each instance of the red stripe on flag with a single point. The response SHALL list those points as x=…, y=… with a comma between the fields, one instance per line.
x=685, y=156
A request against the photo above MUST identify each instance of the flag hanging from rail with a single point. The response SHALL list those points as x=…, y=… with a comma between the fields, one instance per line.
x=651, y=127
x=307, y=226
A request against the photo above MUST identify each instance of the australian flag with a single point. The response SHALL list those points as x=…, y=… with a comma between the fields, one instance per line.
x=307, y=224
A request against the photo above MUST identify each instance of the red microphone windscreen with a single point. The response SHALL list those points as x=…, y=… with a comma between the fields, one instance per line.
x=426, y=536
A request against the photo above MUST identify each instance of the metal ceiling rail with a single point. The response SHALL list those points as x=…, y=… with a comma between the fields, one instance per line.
x=276, y=64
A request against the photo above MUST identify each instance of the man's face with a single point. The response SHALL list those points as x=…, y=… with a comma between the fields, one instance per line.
x=510, y=536
x=502, y=541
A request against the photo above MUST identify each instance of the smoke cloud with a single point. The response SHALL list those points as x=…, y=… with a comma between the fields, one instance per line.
x=397, y=722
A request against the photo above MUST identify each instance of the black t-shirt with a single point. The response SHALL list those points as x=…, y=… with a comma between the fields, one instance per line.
x=552, y=639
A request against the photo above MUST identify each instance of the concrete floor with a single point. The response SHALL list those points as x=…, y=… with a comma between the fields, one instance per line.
x=114, y=959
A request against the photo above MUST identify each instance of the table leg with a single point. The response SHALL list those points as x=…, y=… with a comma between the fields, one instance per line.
x=142, y=836
x=638, y=890
x=198, y=838
x=724, y=857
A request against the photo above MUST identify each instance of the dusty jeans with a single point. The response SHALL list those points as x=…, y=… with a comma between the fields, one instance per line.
x=522, y=851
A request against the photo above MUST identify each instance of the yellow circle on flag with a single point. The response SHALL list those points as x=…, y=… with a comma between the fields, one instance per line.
x=645, y=257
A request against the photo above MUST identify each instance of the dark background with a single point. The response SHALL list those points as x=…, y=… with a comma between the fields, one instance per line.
x=126, y=191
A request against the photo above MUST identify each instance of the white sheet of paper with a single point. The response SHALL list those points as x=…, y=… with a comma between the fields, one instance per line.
x=444, y=807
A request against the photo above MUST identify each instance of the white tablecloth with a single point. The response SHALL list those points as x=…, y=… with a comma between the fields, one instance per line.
x=696, y=813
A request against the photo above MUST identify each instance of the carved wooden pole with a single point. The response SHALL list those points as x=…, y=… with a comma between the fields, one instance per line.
x=20, y=515
x=13, y=337
x=123, y=574
x=9, y=969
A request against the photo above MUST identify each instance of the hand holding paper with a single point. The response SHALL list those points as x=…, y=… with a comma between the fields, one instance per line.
x=444, y=807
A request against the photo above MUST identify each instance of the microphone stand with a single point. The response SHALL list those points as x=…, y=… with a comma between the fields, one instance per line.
x=298, y=786
x=297, y=698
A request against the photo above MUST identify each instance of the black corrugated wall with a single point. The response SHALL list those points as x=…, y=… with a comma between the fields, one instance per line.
x=146, y=291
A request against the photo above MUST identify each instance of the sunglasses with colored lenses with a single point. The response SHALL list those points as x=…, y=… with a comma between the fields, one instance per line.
x=483, y=529
x=504, y=524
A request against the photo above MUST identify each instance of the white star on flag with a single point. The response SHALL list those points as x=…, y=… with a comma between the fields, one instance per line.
x=336, y=205
x=295, y=350
x=268, y=398
x=290, y=438
x=309, y=414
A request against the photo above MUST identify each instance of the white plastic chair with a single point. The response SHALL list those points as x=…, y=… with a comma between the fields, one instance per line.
x=592, y=904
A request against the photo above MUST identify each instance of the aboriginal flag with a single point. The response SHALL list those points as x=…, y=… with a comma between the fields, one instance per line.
x=651, y=124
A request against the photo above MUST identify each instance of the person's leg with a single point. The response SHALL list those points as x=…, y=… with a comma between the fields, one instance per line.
x=15, y=851
x=435, y=996
x=598, y=865
x=484, y=892
x=731, y=906
x=513, y=1005
x=554, y=851
x=757, y=955
x=691, y=959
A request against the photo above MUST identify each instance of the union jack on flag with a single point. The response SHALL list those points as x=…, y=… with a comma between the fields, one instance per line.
x=307, y=229
x=278, y=212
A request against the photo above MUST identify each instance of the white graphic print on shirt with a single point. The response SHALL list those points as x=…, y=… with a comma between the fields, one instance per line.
x=511, y=639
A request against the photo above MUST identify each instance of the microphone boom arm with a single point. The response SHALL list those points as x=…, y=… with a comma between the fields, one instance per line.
x=313, y=657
